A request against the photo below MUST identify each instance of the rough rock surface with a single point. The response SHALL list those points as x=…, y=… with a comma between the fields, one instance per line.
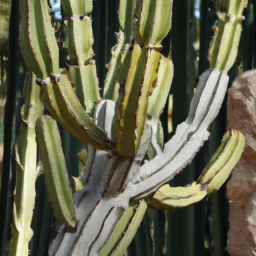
x=241, y=188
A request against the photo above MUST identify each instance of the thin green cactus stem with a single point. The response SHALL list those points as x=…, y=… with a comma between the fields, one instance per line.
x=82, y=69
x=37, y=40
x=224, y=46
x=125, y=13
x=26, y=158
x=56, y=175
x=60, y=100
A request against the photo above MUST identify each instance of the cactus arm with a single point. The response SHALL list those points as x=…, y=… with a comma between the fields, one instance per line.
x=25, y=33
x=125, y=13
x=37, y=41
x=79, y=32
x=131, y=231
x=162, y=23
x=40, y=52
x=216, y=155
x=49, y=37
x=179, y=192
x=60, y=100
x=190, y=135
x=77, y=8
x=159, y=96
x=143, y=18
x=221, y=160
x=82, y=69
x=152, y=21
x=85, y=82
x=114, y=67
x=56, y=177
x=167, y=198
x=163, y=201
x=149, y=82
x=79, y=39
x=126, y=137
x=219, y=179
x=224, y=47
x=140, y=81
x=26, y=155
x=118, y=230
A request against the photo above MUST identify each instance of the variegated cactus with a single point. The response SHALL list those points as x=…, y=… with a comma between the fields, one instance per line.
x=115, y=189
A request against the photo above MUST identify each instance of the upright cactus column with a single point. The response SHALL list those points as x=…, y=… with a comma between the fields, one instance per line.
x=82, y=69
x=26, y=159
x=111, y=84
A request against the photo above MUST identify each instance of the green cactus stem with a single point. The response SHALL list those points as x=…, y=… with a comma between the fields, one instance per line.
x=55, y=170
x=125, y=14
x=60, y=100
x=159, y=96
x=37, y=40
x=85, y=81
x=217, y=172
x=26, y=158
x=118, y=230
x=131, y=230
x=224, y=46
x=82, y=71
x=127, y=137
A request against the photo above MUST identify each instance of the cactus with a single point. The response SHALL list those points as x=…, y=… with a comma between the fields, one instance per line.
x=26, y=158
x=114, y=190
